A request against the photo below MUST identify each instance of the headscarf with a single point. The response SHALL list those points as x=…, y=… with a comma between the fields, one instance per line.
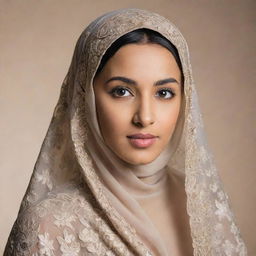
x=84, y=200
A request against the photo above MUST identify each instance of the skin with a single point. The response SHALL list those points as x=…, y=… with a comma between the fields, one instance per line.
x=146, y=99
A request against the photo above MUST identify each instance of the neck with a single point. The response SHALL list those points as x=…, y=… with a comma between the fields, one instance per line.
x=138, y=180
x=154, y=178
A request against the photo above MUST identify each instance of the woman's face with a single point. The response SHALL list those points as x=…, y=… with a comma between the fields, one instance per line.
x=138, y=98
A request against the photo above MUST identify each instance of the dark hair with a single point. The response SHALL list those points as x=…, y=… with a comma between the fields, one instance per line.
x=142, y=35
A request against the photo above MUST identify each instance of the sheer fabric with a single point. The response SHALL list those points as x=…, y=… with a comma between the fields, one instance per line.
x=83, y=200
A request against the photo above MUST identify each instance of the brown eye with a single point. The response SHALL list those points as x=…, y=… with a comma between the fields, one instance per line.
x=165, y=93
x=120, y=92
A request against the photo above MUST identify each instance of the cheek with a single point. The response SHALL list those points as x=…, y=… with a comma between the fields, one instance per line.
x=168, y=119
x=112, y=119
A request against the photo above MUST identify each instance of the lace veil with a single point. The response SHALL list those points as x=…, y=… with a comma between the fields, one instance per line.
x=82, y=200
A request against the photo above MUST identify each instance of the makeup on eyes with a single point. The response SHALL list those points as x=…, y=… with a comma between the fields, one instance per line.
x=123, y=91
x=169, y=90
x=120, y=89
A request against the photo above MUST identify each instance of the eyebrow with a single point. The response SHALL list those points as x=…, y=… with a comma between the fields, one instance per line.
x=132, y=82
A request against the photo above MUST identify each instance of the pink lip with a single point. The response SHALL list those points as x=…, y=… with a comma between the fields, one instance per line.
x=142, y=140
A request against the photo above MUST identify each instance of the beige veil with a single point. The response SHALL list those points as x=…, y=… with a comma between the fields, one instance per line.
x=83, y=200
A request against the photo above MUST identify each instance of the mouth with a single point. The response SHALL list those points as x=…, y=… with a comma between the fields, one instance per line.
x=141, y=140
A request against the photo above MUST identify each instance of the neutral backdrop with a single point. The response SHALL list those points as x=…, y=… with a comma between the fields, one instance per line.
x=37, y=39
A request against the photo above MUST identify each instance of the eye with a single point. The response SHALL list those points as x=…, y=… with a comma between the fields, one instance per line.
x=120, y=92
x=165, y=93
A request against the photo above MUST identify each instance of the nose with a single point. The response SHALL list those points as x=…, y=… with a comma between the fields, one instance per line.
x=144, y=113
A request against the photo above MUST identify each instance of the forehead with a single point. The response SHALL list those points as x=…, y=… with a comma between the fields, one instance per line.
x=142, y=60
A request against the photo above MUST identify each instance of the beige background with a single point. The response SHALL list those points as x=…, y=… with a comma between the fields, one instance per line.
x=37, y=40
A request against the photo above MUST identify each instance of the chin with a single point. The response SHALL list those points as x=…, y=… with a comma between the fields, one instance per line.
x=139, y=160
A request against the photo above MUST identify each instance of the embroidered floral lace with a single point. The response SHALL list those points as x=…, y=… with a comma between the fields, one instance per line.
x=65, y=210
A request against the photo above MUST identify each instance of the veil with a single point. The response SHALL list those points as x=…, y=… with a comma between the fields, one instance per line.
x=82, y=200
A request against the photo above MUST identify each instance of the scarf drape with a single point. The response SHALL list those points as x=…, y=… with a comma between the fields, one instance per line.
x=83, y=200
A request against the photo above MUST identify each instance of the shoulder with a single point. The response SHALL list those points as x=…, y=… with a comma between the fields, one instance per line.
x=67, y=222
x=71, y=224
x=51, y=224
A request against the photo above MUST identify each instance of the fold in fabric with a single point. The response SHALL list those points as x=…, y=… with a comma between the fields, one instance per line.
x=83, y=200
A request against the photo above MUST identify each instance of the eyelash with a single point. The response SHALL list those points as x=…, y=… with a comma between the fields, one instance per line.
x=167, y=90
x=115, y=89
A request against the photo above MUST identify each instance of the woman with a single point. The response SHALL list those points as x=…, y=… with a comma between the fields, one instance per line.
x=124, y=168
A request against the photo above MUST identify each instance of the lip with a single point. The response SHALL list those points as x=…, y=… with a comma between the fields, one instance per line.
x=141, y=136
x=141, y=140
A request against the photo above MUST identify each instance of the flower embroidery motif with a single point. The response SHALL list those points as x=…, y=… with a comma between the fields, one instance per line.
x=213, y=187
x=222, y=210
x=203, y=154
x=218, y=234
x=68, y=245
x=228, y=247
x=90, y=240
x=88, y=236
x=45, y=245
x=221, y=195
x=44, y=178
x=234, y=229
x=209, y=172
x=109, y=253
x=64, y=219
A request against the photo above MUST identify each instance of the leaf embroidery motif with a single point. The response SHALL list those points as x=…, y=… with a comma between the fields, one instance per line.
x=44, y=178
x=64, y=219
